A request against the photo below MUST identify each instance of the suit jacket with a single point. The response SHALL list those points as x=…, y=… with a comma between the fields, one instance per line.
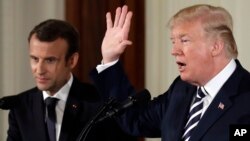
x=27, y=120
x=166, y=115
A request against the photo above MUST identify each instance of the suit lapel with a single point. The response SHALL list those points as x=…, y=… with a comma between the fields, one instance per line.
x=38, y=116
x=72, y=107
x=217, y=108
x=179, y=114
x=219, y=105
x=70, y=113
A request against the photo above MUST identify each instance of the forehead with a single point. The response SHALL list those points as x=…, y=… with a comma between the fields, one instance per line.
x=57, y=47
x=187, y=29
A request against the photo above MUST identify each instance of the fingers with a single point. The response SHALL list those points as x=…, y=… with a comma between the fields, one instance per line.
x=120, y=16
x=116, y=40
x=126, y=43
x=122, y=46
x=123, y=16
x=117, y=16
x=127, y=24
x=109, y=20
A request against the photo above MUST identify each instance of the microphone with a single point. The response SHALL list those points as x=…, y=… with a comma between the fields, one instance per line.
x=141, y=97
x=115, y=108
x=83, y=134
x=9, y=102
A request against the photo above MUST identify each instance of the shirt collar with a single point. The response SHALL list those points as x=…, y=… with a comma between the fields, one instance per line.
x=63, y=93
x=215, y=84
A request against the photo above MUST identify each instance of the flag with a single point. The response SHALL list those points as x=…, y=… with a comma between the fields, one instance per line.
x=221, y=106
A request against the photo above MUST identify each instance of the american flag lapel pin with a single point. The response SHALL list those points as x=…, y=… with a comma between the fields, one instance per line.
x=74, y=106
x=221, y=106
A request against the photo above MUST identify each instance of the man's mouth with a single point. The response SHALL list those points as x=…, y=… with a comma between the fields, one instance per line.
x=181, y=66
x=41, y=80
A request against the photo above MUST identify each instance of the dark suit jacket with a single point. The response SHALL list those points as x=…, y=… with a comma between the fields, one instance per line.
x=27, y=120
x=166, y=115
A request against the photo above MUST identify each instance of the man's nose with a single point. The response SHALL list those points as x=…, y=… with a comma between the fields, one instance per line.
x=40, y=68
x=176, y=50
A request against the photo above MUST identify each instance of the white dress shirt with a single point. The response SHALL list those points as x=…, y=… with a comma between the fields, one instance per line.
x=62, y=95
x=102, y=67
x=214, y=85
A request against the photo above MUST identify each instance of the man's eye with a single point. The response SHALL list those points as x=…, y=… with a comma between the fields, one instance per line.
x=51, y=60
x=34, y=59
x=184, y=40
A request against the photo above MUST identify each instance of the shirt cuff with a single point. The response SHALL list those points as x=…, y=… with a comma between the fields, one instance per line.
x=102, y=67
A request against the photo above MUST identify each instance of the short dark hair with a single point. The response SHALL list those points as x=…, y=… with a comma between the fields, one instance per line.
x=52, y=29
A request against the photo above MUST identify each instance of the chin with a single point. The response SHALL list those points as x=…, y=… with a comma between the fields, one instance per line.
x=42, y=88
x=188, y=80
x=184, y=78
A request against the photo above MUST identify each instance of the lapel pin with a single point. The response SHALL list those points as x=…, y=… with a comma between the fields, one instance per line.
x=221, y=106
x=74, y=106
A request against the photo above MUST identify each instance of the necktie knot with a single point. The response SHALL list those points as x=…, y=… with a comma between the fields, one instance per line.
x=51, y=102
x=200, y=94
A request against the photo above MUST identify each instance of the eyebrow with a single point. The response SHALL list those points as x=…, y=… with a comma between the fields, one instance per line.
x=183, y=35
x=179, y=36
x=50, y=57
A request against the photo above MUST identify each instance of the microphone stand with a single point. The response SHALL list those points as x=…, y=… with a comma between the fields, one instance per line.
x=110, y=105
x=82, y=136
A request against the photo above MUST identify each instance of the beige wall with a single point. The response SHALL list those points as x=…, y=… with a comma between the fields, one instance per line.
x=17, y=18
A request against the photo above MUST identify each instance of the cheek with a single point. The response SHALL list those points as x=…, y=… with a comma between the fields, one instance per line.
x=32, y=67
x=198, y=60
x=202, y=64
x=58, y=70
x=199, y=53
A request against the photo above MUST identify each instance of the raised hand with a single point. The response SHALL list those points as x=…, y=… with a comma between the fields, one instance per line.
x=116, y=37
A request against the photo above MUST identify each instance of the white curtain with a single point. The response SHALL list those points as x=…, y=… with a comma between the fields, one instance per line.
x=17, y=18
x=160, y=65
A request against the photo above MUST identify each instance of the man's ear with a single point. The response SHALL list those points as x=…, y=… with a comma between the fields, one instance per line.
x=73, y=60
x=218, y=47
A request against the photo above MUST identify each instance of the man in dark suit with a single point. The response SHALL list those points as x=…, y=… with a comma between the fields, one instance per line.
x=211, y=93
x=53, y=49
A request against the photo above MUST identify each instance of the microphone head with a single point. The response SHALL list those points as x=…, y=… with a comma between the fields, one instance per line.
x=138, y=98
x=142, y=96
x=117, y=108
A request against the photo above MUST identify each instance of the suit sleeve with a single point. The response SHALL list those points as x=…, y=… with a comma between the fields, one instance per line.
x=113, y=82
x=13, y=131
x=138, y=120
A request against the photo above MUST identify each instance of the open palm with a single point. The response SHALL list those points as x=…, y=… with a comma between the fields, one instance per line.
x=116, y=37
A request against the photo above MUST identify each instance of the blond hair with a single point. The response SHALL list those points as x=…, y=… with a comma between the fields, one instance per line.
x=216, y=21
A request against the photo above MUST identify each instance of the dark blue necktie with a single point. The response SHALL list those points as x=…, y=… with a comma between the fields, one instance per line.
x=194, y=115
x=51, y=117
